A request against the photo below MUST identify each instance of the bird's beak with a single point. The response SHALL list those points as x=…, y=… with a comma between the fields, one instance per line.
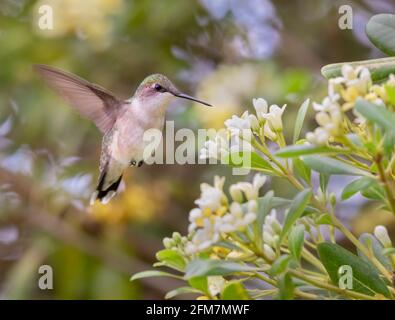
x=185, y=96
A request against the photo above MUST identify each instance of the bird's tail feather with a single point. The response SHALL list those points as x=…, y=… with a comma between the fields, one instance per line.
x=105, y=195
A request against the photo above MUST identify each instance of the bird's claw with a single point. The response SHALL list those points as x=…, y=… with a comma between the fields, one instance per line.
x=134, y=163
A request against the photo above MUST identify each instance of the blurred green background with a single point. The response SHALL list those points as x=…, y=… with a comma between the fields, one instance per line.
x=222, y=51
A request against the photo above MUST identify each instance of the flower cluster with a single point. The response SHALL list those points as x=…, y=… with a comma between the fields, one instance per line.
x=237, y=236
x=271, y=235
x=343, y=91
x=266, y=123
x=217, y=216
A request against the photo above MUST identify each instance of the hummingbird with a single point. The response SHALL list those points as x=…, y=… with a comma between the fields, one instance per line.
x=122, y=122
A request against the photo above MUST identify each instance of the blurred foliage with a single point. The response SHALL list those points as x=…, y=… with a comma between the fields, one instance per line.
x=224, y=51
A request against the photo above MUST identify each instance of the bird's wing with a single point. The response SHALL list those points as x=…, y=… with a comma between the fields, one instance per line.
x=90, y=100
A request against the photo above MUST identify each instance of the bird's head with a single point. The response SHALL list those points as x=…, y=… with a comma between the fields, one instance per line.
x=158, y=89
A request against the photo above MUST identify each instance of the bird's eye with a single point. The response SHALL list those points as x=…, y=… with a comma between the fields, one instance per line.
x=158, y=87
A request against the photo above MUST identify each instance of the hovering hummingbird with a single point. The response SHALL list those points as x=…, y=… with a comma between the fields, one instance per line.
x=122, y=122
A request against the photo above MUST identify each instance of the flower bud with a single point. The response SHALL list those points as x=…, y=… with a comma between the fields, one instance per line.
x=252, y=206
x=382, y=235
x=176, y=237
x=254, y=123
x=236, y=193
x=332, y=199
x=261, y=107
x=269, y=253
x=168, y=243
x=268, y=238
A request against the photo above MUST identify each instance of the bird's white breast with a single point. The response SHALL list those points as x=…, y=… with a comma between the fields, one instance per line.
x=128, y=140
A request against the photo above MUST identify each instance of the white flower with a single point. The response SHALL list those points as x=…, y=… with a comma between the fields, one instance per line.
x=261, y=107
x=334, y=87
x=251, y=191
x=381, y=234
x=216, y=148
x=195, y=219
x=269, y=253
x=204, y=237
x=348, y=72
x=238, y=124
x=211, y=196
x=272, y=225
x=327, y=104
x=274, y=117
x=323, y=119
x=222, y=145
x=358, y=78
x=252, y=206
x=235, y=193
x=254, y=123
x=236, y=219
x=215, y=285
x=268, y=132
x=219, y=182
x=319, y=137
x=330, y=122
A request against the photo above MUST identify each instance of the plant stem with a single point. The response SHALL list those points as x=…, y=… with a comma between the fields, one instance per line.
x=383, y=178
x=266, y=279
x=306, y=295
x=330, y=287
x=313, y=260
x=297, y=292
x=351, y=237
x=361, y=247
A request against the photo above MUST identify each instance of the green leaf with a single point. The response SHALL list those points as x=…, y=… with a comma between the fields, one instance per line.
x=150, y=274
x=323, y=218
x=279, y=202
x=298, y=150
x=376, y=114
x=357, y=186
x=297, y=208
x=300, y=119
x=365, y=277
x=331, y=166
x=227, y=245
x=324, y=181
x=374, y=192
x=379, y=69
x=390, y=92
x=371, y=242
x=301, y=169
x=182, y=290
x=389, y=143
x=296, y=241
x=380, y=29
x=280, y=265
x=234, y=290
x=171, y=258
x=388, y=251
x=355, y=139
x=248, y=160
x=199, y=268
x=199, y=283
x=286, y=287
x=264, y=207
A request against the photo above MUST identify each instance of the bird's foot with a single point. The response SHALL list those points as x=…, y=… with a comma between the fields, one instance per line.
x=135, y=163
